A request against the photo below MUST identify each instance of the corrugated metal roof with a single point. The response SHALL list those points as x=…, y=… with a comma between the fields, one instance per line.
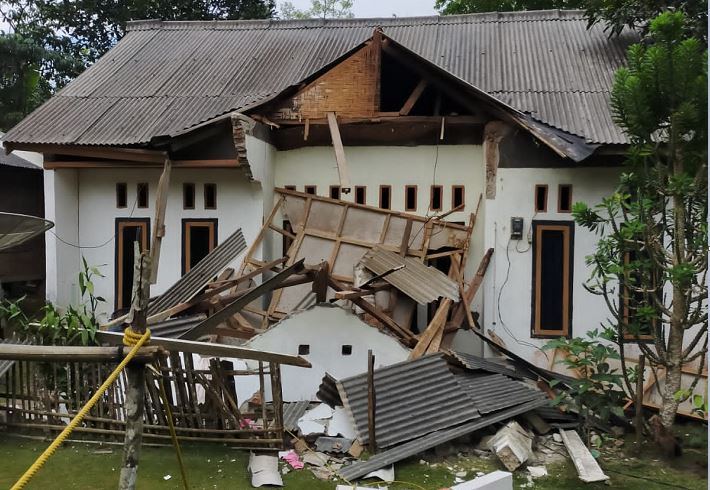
x=493, y=392
x=13, y=160
x=413, y=398
x=292, y=412
x=476, y=363
x=406, y=450
x=421, y=283
x=175, y=327
x=198, y=276
x=164, y=77
x=328, y=391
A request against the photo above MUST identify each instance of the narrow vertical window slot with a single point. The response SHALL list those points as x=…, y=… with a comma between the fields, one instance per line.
x=142, y=195
x=541, y=198
x=385, y=196
x=564, y=198
x=188, y=195
x=437, y=192
x=458, y=196
x=335, y=192
x=121, y=195
x=410, y=198
x=210, y=196
x=360, y=194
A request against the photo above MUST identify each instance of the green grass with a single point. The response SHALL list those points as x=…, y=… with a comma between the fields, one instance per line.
x=78, y=466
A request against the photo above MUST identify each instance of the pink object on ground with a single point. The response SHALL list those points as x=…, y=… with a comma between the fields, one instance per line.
x=292, y=458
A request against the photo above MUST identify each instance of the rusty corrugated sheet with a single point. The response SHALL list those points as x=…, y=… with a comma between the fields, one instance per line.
x=476, y=363
x=165, y=77
x=421, y=283
x=413, y=398
x=204, y=271
x=406, y=450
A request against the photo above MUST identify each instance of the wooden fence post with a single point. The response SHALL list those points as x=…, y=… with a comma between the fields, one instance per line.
x=638, y=420
x=135, y=374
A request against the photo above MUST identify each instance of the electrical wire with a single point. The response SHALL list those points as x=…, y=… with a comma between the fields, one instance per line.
x=112, y=238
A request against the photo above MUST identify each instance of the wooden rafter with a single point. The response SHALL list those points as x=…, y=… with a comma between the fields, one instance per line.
x=413, y=98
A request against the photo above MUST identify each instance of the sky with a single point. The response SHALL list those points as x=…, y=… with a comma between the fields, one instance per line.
x=382, y=8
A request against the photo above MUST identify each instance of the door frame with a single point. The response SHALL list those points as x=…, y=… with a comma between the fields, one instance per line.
x=121, y=223
x=185, y=244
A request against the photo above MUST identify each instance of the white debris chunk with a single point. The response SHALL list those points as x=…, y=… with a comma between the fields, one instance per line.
x=341, y=424
x=497, y=480
x=264, y=470
x=321, y=412
x=512, y=444
x=384, y=474
x=587, y=467
x=537, y=471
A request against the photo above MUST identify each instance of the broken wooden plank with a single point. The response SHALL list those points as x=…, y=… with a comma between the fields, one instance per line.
x=161, y=201
x=61, y=353
x=207, y=349
x=343, y=171
x=432, y=330
x=587, y=467
x=413, y=98
x=476, y=282
x=236, y=306
x=359, y=293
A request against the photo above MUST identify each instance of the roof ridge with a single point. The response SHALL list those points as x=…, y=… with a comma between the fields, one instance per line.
x=515, y=16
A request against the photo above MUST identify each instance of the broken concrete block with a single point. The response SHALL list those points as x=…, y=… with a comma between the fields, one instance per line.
x=333, y=444
x=356, y=449
x=498, y=480
x=315, y=458
x=512, y=445
x=264, y=470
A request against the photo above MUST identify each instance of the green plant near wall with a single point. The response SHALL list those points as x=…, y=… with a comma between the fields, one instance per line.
x=77, y=325
x=598, y=390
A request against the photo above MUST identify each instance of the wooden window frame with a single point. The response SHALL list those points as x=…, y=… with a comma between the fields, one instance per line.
x=559, y=198
x=140, y=185
x=315, y=190
x=453, y=195
x=431, y=198
x=567, y=227
x=124, y=186
x=547, y=196
x=364, y=194
x=120, y=224
x=416, y=197
x=330, y=192
x=211, y=223
x=185, y=186
x=204, y=195
x=389, y=188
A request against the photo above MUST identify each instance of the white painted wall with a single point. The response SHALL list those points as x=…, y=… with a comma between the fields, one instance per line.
x=325, y=329
x=261, y=160
x=239, y=204
x=510, y=317
x=62, y=257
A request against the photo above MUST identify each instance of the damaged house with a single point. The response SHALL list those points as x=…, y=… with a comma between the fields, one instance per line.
x=421, y=170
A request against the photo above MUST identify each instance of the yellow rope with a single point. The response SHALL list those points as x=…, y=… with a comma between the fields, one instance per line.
x=128, y=336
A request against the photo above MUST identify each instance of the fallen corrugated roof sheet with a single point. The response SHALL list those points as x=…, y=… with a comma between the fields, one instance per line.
x=476, y=363
x=175, y=327
x=421, y=283
x=292, y=412
x=398, y=453
x=198, y=276
x=328, y=391
x=493, y=392
x=165, y=77
x=413, y=398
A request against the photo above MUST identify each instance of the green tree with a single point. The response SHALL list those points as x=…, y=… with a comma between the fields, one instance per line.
x=453, y=7
x=58, y=39
x=320, y=9
x=654, y=235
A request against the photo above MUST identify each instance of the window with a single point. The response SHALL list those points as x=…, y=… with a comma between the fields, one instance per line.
x=188, y=196
x=436, y=197
x=346, y=350
x=564, y=198
x=121, y=195
x=335, y=192
x=142, y=195
x=458, y=196
x=385, y=196
x=290, y=187
x=410, y=198
x=304, y=349
x=553, y=250
x=210, y=196
x=541, y=198
x=310, y=189
x=199, y=237
x=128, y=231
x=360, y=194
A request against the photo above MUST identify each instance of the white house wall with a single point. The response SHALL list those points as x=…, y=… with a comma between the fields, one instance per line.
x=239, y=205
x=508, y=290
x=325, y=329
x=62, y=257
